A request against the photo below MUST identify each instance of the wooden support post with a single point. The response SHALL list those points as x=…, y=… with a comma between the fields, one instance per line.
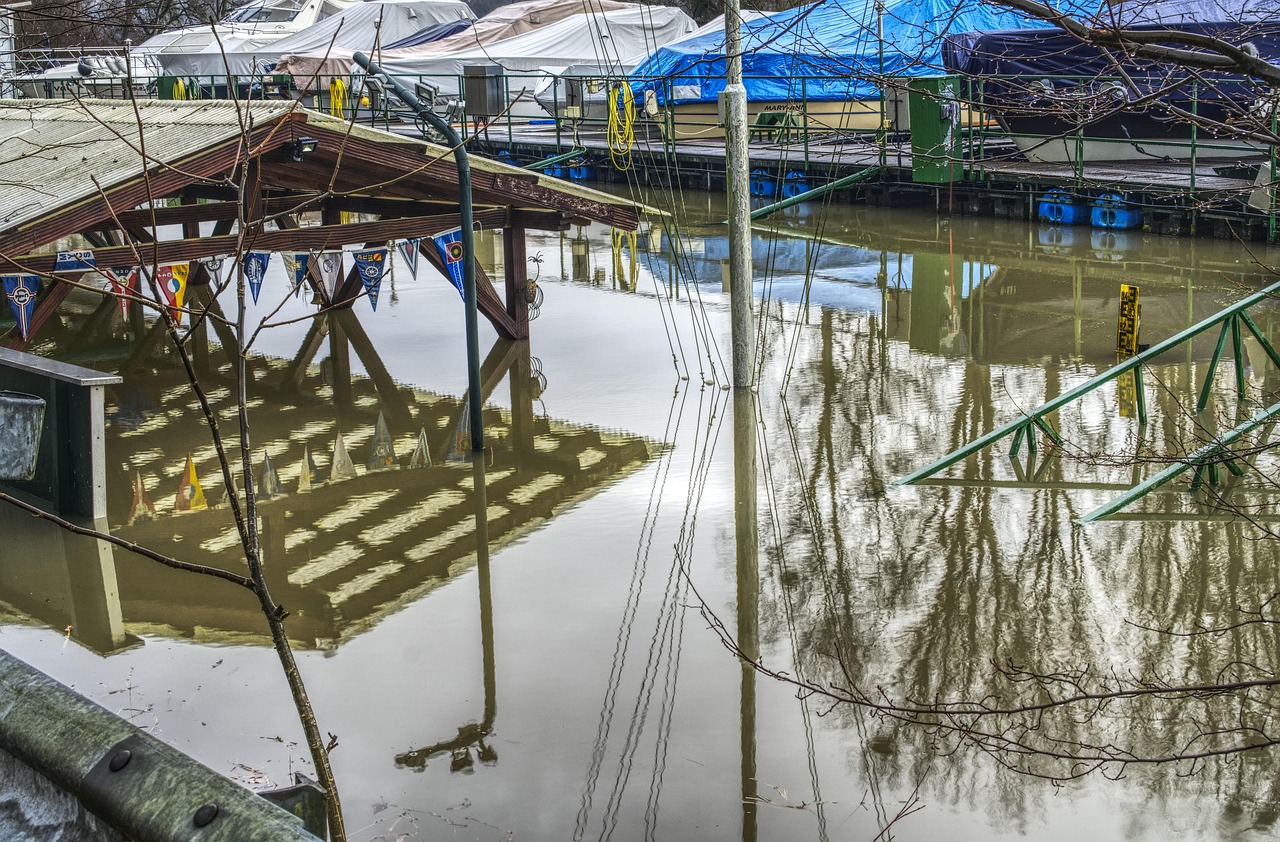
x=340, y=358
x=515, y=270
x=393, y=401
x=520, y=380
x=297, y=368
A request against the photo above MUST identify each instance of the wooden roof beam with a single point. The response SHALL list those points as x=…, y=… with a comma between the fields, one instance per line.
x=299, y=239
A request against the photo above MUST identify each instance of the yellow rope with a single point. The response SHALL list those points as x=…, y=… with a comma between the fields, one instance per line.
x=622, y=136
x=179, y=89
x=338, y=98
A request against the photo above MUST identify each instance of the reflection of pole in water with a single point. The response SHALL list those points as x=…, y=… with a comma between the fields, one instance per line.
x=486, y=595
x=745, y=530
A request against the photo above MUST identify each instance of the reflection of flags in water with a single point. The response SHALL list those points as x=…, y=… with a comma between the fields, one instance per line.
x=409, y=251
x=255, y=268
x=21, y=290
x=341, y=467
x=449, y=244
x=173, y=283
x=369, y=266
x=421, y=457
x=269, y=483
x=382, y=451
x=296, y=265
x=143, y=508
x=329, y=268
x=124, y=282
x=190, y=497
x=462, y=432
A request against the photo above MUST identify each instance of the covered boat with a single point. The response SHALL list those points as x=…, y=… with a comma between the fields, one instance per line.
x=500, y=24
x=618, y=36
x=1064, y=100
x=817, y=64
x=364, y=26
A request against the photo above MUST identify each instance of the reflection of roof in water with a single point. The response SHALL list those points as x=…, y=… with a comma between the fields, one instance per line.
x=347, y=553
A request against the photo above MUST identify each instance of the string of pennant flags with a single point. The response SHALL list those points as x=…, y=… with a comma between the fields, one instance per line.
x=190, y=495
x=22, y=290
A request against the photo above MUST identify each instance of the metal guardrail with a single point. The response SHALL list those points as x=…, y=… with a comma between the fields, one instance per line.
x=1203, y=460
x=137, y=784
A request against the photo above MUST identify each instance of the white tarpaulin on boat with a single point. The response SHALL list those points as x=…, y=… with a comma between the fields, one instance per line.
x=500, y=24
x=622, y=36
x=359, y=27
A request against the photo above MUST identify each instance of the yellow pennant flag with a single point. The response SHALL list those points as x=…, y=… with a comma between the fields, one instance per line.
x=173, y=283
x=190, y=495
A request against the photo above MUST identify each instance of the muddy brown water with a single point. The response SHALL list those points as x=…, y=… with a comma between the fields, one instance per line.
x=541, y=663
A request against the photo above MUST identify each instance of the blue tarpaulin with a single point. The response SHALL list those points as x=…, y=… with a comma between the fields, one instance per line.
x=828, y=51
x=435, y=32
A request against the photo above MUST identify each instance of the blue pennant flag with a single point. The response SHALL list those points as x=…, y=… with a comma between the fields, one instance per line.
x=449, y=244
x=255, y=268
x=409, y=251
x=370, y=265
x=74, y=261
x=299, y=265
x=21, y=290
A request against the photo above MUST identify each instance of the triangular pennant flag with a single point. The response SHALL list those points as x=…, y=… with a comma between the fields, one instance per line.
x=190, y=497
x=306, y=471
x=382, y=453
x=370, y=265
x=255, y=269
x=421, y=457
x=342, y=467
x=21, y=290
x=173, y=283
x=409, y=251
x=143, y=508
x=123, y=283
x=269, y=483
x=329, y=268
x=296, y=265
x=213, y=265
x=449, y=244
x=74, y=261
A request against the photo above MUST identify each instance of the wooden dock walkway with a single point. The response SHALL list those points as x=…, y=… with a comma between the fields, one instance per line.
x=1176, y=198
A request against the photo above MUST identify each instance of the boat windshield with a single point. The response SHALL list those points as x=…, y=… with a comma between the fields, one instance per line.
x=264, y=13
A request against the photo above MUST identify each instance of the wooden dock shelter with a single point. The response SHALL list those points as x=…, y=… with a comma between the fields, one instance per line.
x=134, y=180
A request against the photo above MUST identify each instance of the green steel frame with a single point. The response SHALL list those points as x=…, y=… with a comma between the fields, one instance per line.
x=1205, y=460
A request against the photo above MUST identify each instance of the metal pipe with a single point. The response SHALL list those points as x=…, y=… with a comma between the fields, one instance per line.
x=817, y=192
x=547, y=162
x=468, y=238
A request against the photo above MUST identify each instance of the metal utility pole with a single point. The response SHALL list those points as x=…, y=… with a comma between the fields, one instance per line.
x=737, y=187
x=468, y=238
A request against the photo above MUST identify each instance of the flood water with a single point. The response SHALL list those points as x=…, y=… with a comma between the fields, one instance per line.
x=542, y=660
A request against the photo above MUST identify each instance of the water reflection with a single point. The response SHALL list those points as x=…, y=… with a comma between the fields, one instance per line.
x=888, y=340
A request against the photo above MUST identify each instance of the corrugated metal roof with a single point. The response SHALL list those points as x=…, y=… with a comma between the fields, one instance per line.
x=52, y=151
x=56, y=153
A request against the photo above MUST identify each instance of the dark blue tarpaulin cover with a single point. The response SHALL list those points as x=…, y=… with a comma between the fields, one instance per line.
x=435, y=32
x=827, y=51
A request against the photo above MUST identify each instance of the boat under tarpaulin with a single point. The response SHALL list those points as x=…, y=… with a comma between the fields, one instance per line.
x=364, y=26
x=822, y=60
x=1062, y=99
x=500, y=24
x=617, y=37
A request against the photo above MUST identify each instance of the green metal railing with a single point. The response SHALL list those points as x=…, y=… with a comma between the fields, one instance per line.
x=1232, y=321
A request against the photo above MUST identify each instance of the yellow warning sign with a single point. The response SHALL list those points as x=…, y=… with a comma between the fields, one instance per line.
x=1127, y=326
x=1127, y=346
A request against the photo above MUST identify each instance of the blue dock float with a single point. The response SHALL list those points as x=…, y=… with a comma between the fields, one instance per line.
x=1111, y=210
x=1061, y=208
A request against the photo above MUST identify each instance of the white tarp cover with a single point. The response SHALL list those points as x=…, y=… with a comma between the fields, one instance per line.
x=621, y=36
x=500, y=24
x=356, y=28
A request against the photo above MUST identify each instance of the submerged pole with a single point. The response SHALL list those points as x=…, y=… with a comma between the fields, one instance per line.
x=468, y=238
x=737, y=187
